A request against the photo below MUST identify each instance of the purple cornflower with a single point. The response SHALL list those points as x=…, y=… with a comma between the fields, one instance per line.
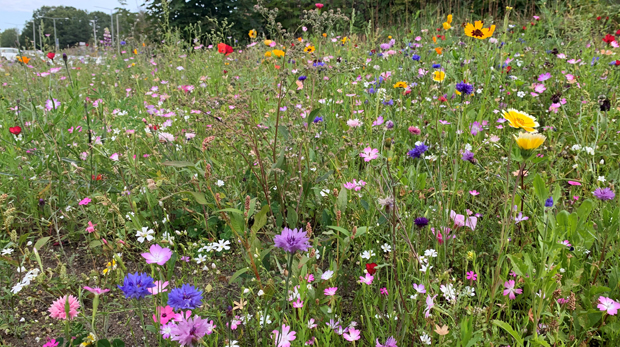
x=302, y=78
x=415, y=57
x=292, y=240
x=421, y=222
x=389, y=124
x=468, y=156
x=418, y=150
x=390, y=342
x=189, y=332
x=389, y=103
x=436, y=66
x=465, y=88
x=137, y=285
x=475, y=128
x=549, y=202
x=318, y=119
x=604, y=194
x=184, y=298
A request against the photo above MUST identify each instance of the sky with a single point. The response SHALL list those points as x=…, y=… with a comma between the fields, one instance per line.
x=14, y=13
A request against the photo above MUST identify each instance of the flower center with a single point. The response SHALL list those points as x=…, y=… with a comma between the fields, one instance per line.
x=477, y=33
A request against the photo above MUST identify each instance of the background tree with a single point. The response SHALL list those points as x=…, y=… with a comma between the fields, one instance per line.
x=8, y=38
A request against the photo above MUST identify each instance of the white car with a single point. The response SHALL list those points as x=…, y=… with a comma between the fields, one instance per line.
x=8, y=53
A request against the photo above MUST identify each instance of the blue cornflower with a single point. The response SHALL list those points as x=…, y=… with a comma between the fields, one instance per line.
x=468, y=156
x=415, y=57
x=137, y=285
x=318, y=119
x=417, y=151
x=421, y=222
x=292, y=240
x=549, y=202
x=318, y=63
x=302, y=78
x=123, y=43
x=464, y=88
x=594, y=61
x=389, y=102
x=184, y=298
x=436, y=66
x=371, y=90
x=379, y=55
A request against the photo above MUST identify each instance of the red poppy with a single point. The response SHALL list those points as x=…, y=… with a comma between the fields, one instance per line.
x=155, y=127
x=318, y=5
x=225, y=71
x=371, y=268
x=618, y=32
x=99, y=177
x=16, y=130
x=609, y=39
x=277, y=66
x=443, y=99
x=373, y=51
x=51, y=55
x=442, y=37
x=598, y=18
x=617, y=62
x=508, y=68
x=224, y=49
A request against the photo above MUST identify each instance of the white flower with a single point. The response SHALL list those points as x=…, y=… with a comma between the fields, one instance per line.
x=264, y=320
x=367, y=254
x=386, y=248
x=468, y=147
x=601, y=178
x=324, y=192
x=469, y=291
x=180, y=68
x=589, y=150
x=201, y=258
x=7, y=251
x=425, y=267
x=222, y=245
x=219, y=183
x=430, y=253
x=479, y=91
x=232, y=343
x=576, y=148
x=425, y=339
x=448, y=292
x=145, y=233
x=260, y=293
x=327, y=275
x=520, y=94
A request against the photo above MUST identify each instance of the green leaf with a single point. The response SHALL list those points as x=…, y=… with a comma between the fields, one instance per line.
x=103, y=343
x=151, y=328
x=260, y=219
x=283, y=131
x=237, y=274
x=519, y=266
x=41, y=242
x=314, y=113
x=325, y=176
x=175, y=163
x=95, y=244
x=341, y=229
x=233, y=210
x=291, y=217
x=342, y=200
x=118, y=343
x=509, y=330
x=198, y=196
x=542, y=193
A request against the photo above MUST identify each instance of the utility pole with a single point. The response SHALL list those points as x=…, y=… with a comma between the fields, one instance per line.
x=118, y=35
x=94, y=22
x=34, y=36
x=56, y=44
x=111, y=22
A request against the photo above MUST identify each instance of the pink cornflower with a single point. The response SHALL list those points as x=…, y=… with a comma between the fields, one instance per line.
x=608, y=305
x=57, y=309
x=367, y=279
x=160, y=287
x=84, y=201
x=96, y=290
x=157, y=255
x=50, y=343
x=384, y=291
x=298, y=304
x=331, y=291
x=472, y=276
x=352, y=335
x=165, y=315
x=91, y=227
x=510, y=289
x=284, y=339
x=414, y=130
x=369, y=154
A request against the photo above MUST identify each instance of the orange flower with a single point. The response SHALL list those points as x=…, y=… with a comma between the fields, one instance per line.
x=299, y=39
x=438, y=50
x=23, y=59
x=143, y=44
x=434, y=39
x=324, y=35
x=135, y=51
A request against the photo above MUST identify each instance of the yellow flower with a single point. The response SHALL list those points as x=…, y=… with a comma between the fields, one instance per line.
x=471, y=255
x=477, y=31
x=309, y=49
x=439, y=76
x=135, y=51
x=278, y=53
x=344, y=40
x=400, y=85
x=267, y=42
x=529, y=141
x=520, y=119
x=252, y=34
x=449, y=20
x=268, y=54
x=446, y=26
x=508, y=8
x=390, y=37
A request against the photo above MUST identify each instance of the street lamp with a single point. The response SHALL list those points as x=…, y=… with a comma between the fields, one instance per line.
x=55, y=37
x=94, y=22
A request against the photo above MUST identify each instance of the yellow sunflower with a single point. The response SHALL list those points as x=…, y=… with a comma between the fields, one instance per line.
x=439, y=76
x=400, y=85
x=477, y=31
x=309, y=49
x=518, y=119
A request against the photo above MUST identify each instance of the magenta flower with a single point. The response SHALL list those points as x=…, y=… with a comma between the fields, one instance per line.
x=292, y=240
x=96, y=290
x=544, y=77
x=331, y=291
x=284, y=339
x=384, y=291
x=429, y=305
x=511, y=290
x=157, y=255
x=472, y=276
x=298, y=304
x=50, y=343
x=459, y=221
x=189, y=332
x=52, y=104
x=352, y=335
x=91, y=227
x=390, y=342
x=114, y=157
x=608, y=305
x=356, y=185
x=84, y=201
x=369, y=154
x=165, y=315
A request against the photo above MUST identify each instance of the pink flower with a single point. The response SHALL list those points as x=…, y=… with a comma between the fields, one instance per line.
x=474, y=192
x=84, y=201
x=165, y=315
x=96, y=290
x=91, y=227
x=369, y=154
x=157, y=255
x=355, y=185
x=114, y=157
x=57, y=310
x=367, y=279
x=459, y=220
x=298, y=304
x=384, y=291
x=608, y=305
x=160, y=287
x=284, y=339
x=319, y=6
x=414, y=130
x=429, y=305
x=189, y=332
x=539, y=88
x=354, y=123
x=352, y=335
x=472, y=276
x=573, y=183
x=50, y=343
x=510, y=289
x=419, y=288
x=331, y=291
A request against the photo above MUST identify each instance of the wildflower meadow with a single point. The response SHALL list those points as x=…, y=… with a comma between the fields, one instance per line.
x=452, y=182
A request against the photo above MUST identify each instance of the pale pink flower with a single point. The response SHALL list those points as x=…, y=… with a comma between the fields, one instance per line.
x=608, y=305
x=367, y=279
x=114, y=157
x=510, y=289
x=160, y=287
x=369, y=154
x=352, y=335
x=91, y=227
x=354, y=123
x=284, y=339
x=58, y=308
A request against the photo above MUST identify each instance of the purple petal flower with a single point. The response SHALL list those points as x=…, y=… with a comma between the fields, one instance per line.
x=292, y=240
